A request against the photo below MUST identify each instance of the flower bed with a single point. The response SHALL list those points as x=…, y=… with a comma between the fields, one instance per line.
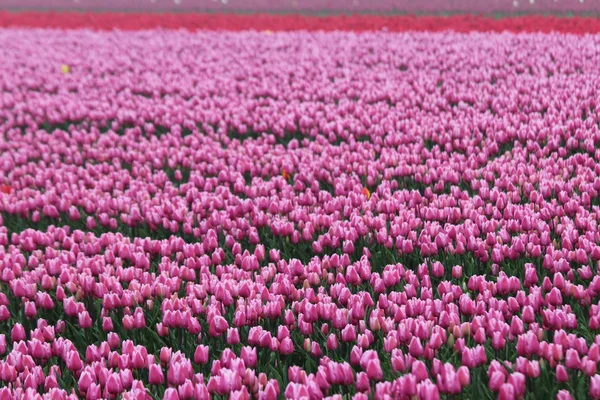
x=319, y=6
x=274, y=22
x=301, y=215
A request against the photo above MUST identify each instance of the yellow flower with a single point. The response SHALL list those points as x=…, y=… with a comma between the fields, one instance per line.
x=65, y=69
x=268, y=32
x=366, y=192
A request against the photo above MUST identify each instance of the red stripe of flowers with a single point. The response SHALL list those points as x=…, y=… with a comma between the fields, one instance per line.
x=233, y=22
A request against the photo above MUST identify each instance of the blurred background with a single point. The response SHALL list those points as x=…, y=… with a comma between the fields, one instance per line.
x=316, y=6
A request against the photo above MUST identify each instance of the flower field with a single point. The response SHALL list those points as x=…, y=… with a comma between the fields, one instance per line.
x=303, y=215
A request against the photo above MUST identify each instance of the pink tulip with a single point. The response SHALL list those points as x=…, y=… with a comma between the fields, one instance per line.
x=563, y=395
x=419, y=370
x=374, y=371
x=233, y=337
x=107, y=324
x=93, y=392
x=464, y=376
x=249, y=355
x=18, y=333
x=171, y=394
x=85, y=380
x=155, y=375
x=113, y=384
x=595, y=386
x=218, y=325
x=561, y=373
x=201, y=354
x=507, y=392
x=572, y=360
x=362, y=382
